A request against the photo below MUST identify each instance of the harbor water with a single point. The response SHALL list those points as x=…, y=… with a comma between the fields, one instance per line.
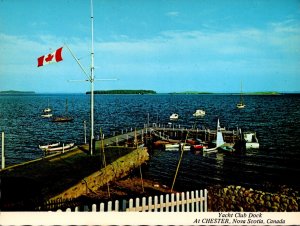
x=275, y=119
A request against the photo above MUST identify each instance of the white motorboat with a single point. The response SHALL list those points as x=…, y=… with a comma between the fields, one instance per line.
x=46, y=110
x=47, y=115
x=174, y=116
x=251, y=140
x=199, y=113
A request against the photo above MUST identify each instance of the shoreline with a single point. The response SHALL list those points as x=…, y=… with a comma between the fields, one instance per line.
x=220, y=198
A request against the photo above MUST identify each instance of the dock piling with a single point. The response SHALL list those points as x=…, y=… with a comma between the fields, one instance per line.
x=84, y=126
x=3, y=154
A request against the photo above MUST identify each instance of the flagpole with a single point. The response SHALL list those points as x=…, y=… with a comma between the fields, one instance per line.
x=92, y=81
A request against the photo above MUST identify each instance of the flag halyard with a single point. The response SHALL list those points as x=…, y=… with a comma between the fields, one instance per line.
x=50, y=58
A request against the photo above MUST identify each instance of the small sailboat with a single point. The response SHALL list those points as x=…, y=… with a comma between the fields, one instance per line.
x=47, y=112
x=65, y=118
x=221, y=145
x=241, y=104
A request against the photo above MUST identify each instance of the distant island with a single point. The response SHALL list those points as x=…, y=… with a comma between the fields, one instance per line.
x=122, y=91
x=263, y=93
x=246, y=93
x=191, y=92
x=16, y=92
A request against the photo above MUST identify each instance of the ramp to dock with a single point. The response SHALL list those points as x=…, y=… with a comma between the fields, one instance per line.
x=25, y=186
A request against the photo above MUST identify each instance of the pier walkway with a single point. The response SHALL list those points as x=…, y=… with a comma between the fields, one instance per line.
x=27, y=183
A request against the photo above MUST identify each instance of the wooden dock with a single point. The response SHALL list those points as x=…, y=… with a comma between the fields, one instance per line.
x=26, y=185
x=207, y=135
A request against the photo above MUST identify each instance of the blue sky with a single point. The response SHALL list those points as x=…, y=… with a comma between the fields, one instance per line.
x=163, y=45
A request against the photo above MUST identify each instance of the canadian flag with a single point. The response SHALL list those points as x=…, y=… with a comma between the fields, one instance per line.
x=50, y=58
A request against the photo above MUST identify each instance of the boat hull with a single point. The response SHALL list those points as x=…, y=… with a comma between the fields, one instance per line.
x=63, y=148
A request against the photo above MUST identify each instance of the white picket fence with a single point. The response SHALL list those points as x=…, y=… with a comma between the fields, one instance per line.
x=194, y=201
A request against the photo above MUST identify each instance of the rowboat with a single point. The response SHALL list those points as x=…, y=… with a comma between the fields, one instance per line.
x=175, y=147
x=47, y=146
x=61, y=148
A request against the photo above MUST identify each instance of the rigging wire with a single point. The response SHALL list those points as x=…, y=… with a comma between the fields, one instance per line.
x=104, y=159
x=141, y=174
x=179, y=161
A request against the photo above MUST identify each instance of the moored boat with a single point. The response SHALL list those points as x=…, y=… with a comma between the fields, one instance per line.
x=65, y=118
x=49, y=146
x=47, y=115
x=199, y=113
x=60, y=148
x=62, y=119
x=241, y=104
x=174, y=116
x=176, y=147
x=251, y=140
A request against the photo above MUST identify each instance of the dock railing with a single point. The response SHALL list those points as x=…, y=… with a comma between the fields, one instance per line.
x=194, y=201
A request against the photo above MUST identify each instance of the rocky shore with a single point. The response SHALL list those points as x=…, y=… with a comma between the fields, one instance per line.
x=238, y=199
x=220, y=198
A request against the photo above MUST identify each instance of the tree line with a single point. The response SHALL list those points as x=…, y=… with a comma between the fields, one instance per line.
x=121, y=91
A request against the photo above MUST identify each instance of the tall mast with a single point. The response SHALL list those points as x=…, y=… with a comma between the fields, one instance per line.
x=92, y=80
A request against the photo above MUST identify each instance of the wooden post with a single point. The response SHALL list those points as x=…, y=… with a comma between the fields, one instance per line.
x=84, y=126
x=3, y=154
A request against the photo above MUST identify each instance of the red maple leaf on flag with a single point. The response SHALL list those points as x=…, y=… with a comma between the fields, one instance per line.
x=49, y=57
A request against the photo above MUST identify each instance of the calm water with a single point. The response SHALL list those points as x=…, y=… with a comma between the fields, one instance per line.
x=276, y=119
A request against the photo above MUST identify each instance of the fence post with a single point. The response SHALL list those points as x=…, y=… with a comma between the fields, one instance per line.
x=117, y=206
x=197, y=203
x=131, y=205
x=102, y=207
x=201, y=203
x=177, y=202
x=182, y=202
x=155, y=203
x=137, y=204
x=144, y=204
x=192, y=201
x=150, y=203
x=187, y=201
x=161, y=203
x=167, y=203
x=172, y=201
x=109, y=206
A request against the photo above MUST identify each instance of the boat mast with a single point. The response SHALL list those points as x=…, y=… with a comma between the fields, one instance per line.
x=92, y=80
x=241, y=94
